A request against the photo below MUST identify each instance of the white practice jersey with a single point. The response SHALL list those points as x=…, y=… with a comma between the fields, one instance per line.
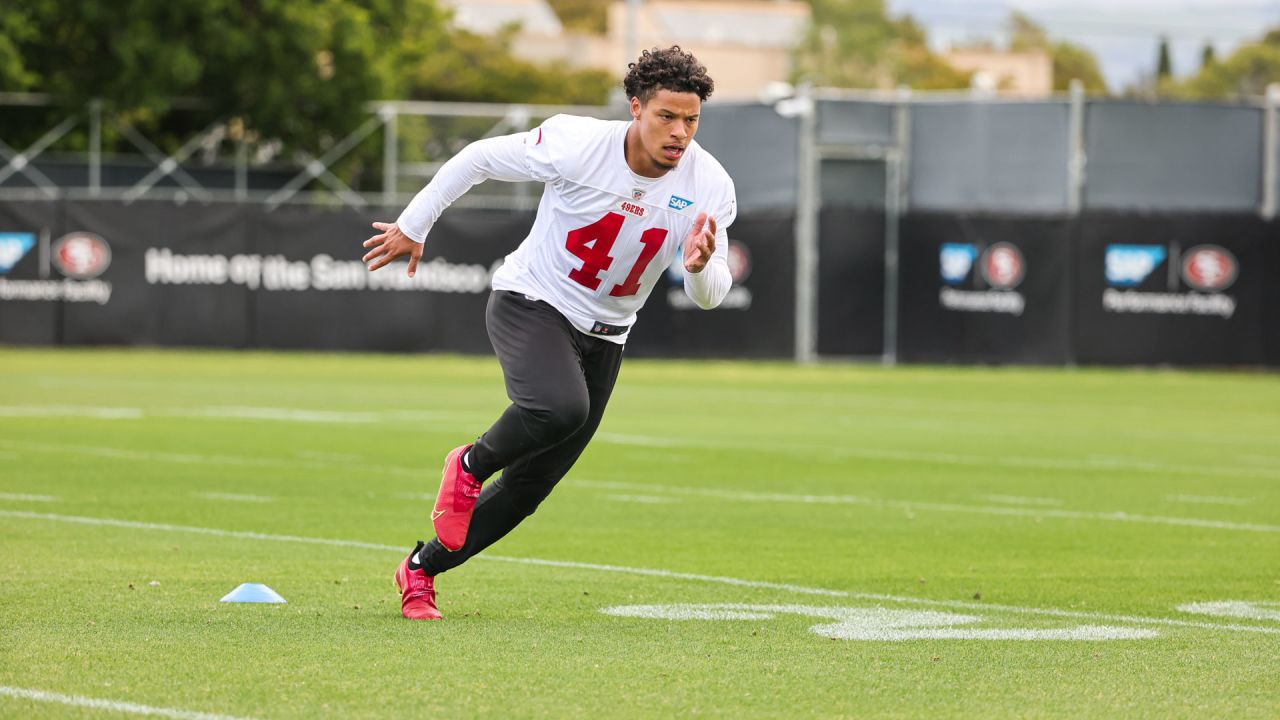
x=603, y=235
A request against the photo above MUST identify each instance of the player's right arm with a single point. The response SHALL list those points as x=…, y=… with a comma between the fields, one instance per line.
x=500, y=158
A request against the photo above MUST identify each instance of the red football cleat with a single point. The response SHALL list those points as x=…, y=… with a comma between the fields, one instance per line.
x=455, y=503
x=417, y=591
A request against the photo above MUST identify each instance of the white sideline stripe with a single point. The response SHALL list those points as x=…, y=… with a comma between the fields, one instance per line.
x=110, y=705
x=937, y=458
x=1020, y=500
x=742, y=495
x=650, y=572
x=1209, y=499
x=642, y=499
x=195, y=459
x=1110, y=516
x=235, y=497
x=228, y=412
x=1089, y=464
x=1116, y=516
x=101, y=413
x=24, y=497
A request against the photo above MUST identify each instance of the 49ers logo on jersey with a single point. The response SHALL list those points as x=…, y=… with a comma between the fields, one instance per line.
x=631, y=208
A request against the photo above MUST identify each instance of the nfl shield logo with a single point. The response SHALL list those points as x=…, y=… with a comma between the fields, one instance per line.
x=636, y=193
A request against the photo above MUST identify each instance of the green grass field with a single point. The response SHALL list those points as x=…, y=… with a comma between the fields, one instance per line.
x=839, y=541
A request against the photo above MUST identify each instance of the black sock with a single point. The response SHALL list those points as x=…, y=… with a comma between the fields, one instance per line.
x=415, y=557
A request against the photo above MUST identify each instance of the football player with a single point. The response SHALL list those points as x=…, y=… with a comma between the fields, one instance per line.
x=621, y=200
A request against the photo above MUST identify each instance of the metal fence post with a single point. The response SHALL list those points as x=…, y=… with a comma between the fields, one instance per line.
x=390, y=154
x=895, y=201
x=95, y=148
x=1270, y=143
x=242, y=170
x=806, y=318
x=1075, y=149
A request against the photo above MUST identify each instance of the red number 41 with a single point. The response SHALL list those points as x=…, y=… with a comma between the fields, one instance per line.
x=591, y=245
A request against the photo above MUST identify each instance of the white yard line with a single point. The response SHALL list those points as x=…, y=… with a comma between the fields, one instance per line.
x=24, y=497
x=109, y=705
x=56, y=411
x=1209, y=499
x=641, y=499
x=235, y=497
x=1020, y=500
x=1088, y=464
x=1106, y=516
x=647, y=572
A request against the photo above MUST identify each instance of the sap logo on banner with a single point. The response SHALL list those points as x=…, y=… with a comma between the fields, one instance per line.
x=13, y=247
x=1207, y=270
x=956, y=260
x=1129, y=265
x=1002, y=269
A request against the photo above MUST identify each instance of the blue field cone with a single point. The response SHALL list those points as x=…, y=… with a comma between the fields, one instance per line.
x=253, y=593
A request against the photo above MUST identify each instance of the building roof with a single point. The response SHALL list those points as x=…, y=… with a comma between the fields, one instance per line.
x=489, y=16
x=775, y=24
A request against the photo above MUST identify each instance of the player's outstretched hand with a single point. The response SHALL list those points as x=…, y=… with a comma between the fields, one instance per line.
x=389, y=245
x=700, y=244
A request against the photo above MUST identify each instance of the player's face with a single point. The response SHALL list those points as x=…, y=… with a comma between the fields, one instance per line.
x=665, y=126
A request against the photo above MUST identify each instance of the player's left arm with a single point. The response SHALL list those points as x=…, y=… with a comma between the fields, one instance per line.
x=706, y=257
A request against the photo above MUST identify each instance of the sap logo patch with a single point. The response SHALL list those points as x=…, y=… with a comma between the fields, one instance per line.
x=13, y=247
x=955, y=260
x=1129, y=265
x=1209, y=268
x=678, y=203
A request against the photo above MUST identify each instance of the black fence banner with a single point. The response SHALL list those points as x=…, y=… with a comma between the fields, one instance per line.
x=316, y=292
x=1097, y=289
x=850, y=282
x=756, y=319
x=32, y=287
x=169, y=274
x=1186, y=290
x=1271, y=294
x=984, y=289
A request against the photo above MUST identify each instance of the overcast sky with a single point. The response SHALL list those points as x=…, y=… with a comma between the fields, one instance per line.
x=1123, y=34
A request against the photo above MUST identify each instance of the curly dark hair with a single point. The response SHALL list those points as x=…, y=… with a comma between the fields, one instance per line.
x=670, y=69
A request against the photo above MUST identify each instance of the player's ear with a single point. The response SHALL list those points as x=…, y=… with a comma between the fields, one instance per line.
x=635, y=107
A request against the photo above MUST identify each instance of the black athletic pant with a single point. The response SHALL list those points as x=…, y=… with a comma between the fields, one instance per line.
x=559, y=381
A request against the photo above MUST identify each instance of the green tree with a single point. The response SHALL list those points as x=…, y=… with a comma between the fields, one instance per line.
x=1245, y=73
x=296, y=72
x=1070, y=61
x=1164, y=64
x=854, y=43
x=589, y=16
x=1208, y=55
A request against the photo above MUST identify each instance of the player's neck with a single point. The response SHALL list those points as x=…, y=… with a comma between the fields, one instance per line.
x=637, y=159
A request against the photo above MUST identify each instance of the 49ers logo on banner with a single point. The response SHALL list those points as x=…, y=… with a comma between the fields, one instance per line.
x=81, y=255
x=1209, y=268
x=1003, y=267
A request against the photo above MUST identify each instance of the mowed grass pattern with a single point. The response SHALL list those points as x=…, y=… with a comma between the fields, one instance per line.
x=1030, y=499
